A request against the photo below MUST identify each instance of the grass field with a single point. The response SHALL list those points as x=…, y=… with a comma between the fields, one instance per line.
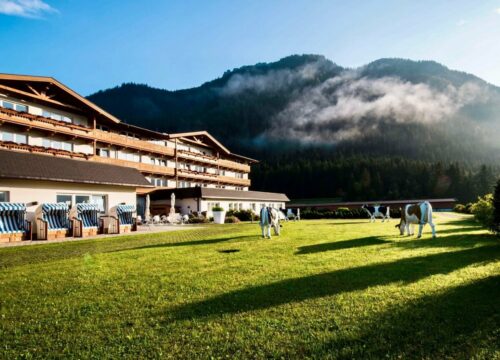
x=324, y=289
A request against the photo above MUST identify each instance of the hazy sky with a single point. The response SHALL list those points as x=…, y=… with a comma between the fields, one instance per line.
x=92, y=45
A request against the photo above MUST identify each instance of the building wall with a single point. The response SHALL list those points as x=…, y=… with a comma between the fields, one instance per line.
x=27, y=191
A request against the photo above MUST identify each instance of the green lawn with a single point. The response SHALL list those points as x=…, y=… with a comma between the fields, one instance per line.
x=324, y=289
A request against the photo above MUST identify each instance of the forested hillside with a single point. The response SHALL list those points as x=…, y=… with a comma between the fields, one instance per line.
x=393, y=128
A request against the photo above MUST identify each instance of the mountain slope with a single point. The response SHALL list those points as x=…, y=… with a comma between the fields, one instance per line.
x=306, y=108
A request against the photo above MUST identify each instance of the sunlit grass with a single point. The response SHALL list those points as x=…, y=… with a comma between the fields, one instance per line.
x=326, y=288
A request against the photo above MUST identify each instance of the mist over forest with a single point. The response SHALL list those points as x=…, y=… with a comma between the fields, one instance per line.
x=393, y=128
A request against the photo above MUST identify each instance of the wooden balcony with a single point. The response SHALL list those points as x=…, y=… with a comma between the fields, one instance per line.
x=212, y=178
x=197, y=175
x=42, y=150
x=42, y=123
x=196, y=157
x=142, y=167
x=142, y=145
x=228, y=164
x=234, y=181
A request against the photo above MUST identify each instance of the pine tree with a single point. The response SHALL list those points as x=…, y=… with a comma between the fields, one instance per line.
x=496, y=211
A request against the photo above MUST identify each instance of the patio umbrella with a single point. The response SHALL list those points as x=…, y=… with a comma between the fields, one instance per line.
x=147, y=213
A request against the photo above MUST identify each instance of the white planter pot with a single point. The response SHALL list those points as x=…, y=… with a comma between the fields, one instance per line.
x=219, y=217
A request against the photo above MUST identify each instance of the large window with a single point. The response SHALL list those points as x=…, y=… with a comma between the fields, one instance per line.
x=13, y=106
x=13, y=137
x=103, y=152
x=67, y=199
x=4, y=196
x=60, y=145
x=72, y=199
x=56, y=116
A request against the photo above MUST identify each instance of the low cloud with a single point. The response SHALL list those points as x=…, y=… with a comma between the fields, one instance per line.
x=347, y=106
x=273, y=80
x=25, y=8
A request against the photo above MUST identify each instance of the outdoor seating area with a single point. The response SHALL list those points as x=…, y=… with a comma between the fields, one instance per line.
x=13, y=224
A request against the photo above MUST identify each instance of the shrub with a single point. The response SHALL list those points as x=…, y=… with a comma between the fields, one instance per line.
x=459, y=208
x=231, y=220
x=483, y=210
x=217, y=208
x=496, y=212
x=243, y=215
x=198, y=220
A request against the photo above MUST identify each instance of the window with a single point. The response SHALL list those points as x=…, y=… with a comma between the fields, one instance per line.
x=80, y=199
x=67, y=199
x=101, y=202
x=22, y=108
x=254, y=206
x=8, y=105
x=56, y=116
x=67, y=146
x=103, y=152
x=240, y=206
x=7, y=136
x=4, y=196
x=13, y=137
x=59, y=145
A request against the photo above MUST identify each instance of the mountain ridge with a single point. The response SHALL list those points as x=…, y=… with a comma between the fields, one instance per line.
x=308, y=108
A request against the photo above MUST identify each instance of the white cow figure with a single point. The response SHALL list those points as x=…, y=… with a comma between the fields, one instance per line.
x=377, y=211
x=420, y=214
x=269, y=218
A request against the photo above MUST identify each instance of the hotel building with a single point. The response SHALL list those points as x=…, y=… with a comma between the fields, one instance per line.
x=57, y=146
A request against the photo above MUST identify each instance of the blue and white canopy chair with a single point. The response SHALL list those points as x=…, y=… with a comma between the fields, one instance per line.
x=85, y=219
x=13, y=224
x=123, y=219
x=52, y=221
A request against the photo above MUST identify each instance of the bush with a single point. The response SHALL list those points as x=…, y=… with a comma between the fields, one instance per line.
x=243, y=215
x=459, y=208
x=495, y=227
x=198, y=220
x=231, y=220
x=483, y=210
x=217, y=208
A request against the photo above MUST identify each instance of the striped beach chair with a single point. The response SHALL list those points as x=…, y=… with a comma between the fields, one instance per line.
x=85, y=219
x=121, y=219
x=52, y=221
x=13, y=224
x=125, y=214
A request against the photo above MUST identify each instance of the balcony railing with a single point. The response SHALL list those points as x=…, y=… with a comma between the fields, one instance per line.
x=190, y=174
x=44, y=123
x=120, y=140
x=234, y=181
x=42, y=150
x=228, y=164
x=148, y=168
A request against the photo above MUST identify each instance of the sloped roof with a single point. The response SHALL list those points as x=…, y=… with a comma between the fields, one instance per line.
x=20, y=165
x=214, y=141
x=222, y=194
x=51, y=80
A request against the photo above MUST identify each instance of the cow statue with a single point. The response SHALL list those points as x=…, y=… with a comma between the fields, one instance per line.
x=377, y=211
x=420, y=214
x=269, y=218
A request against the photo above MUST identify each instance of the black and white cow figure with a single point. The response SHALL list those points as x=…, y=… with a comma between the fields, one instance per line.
x=377, y=211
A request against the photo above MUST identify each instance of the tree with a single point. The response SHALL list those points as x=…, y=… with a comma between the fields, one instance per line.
x=496, y=212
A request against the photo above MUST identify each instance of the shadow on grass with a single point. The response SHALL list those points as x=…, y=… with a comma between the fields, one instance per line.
x=336, y=282
x=463, y=241
x=340, y=245
x=189, y=243
x=456, y=324
x=348, y=223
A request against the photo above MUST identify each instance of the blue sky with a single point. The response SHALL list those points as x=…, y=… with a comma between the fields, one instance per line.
x=92, y=45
